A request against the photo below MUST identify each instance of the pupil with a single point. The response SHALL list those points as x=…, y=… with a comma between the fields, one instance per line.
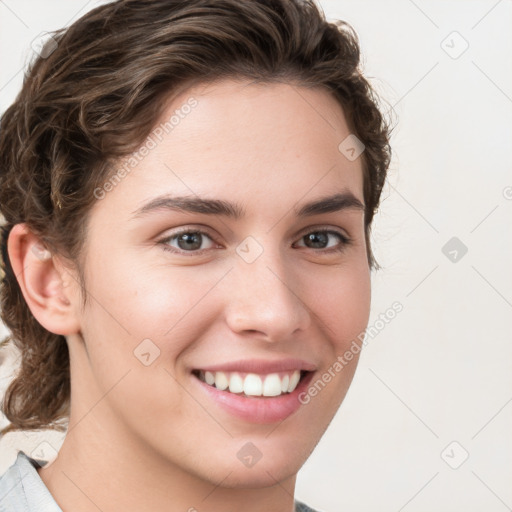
x=188, y=238
x=318, y=238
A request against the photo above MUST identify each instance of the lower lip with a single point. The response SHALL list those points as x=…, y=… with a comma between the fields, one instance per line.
x=257, y=409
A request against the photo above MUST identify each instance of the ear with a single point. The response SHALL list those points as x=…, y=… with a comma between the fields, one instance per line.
x=50, y=290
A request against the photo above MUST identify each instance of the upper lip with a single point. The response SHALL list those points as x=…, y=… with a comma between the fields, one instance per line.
x=261, y=366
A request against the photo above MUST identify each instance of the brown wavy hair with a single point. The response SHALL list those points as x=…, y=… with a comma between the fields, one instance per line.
x=93, y=95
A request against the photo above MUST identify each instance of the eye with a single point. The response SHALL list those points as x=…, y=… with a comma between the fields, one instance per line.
x=322, y=238
x=186, y=241
x=192, y=241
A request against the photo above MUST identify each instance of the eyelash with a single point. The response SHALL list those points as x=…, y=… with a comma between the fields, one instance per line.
x=344, y=241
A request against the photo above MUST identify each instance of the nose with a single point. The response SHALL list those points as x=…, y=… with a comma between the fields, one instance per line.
x=265, y=298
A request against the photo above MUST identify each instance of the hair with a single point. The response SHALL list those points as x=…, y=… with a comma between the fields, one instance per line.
x=94, y=94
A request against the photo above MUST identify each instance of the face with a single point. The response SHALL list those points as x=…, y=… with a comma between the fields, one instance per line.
x=251, y=291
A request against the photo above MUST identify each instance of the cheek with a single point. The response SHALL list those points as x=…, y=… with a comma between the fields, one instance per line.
x=134, y=311
x=136, y=330
x=342, y=305
x=356, y=301
x=147, y=300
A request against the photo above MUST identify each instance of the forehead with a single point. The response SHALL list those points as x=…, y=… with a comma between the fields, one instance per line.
x=257, y=143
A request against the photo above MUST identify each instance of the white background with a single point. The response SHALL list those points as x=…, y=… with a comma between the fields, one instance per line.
x=441, y=370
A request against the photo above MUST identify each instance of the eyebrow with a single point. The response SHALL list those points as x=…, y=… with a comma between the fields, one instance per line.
x=194, y=204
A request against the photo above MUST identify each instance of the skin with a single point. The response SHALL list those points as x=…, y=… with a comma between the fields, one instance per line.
x=146, y=430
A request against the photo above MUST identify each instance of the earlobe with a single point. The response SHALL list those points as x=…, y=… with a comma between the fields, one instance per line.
x=48, y=288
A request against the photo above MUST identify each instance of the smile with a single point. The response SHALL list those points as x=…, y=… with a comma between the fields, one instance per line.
x=254, y=390
x=252, y=384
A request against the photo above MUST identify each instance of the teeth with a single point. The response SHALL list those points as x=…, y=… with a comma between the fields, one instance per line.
x=272, y=385
x=251, y=384
x=221, y=381
x=284, y=383
x=236, y=384
x=294, y=380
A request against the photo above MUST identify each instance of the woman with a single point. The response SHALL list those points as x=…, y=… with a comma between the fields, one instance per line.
x=188, y=190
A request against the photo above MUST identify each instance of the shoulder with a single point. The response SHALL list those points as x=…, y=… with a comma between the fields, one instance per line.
x=22, y=490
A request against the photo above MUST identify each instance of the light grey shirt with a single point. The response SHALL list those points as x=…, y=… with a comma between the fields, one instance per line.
x=22, y=490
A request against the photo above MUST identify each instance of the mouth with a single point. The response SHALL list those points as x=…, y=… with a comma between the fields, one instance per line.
x=255, y=390
x=269, y=385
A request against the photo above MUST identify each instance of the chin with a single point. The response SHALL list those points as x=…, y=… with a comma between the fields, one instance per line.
x=258, y=478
